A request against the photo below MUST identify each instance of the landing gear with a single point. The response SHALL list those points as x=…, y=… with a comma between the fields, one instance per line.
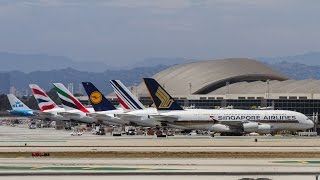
x=231, y=134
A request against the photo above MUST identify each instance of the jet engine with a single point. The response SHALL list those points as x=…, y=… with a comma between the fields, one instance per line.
x=264, y=129
x=250, y=127
x=256, y=127
x=220, y=128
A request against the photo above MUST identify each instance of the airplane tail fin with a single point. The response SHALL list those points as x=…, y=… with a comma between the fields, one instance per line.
x=160, y=97
x=68, y=100
x=44, y=101
x=16, y=104
x=98, y=101
x=127, y=100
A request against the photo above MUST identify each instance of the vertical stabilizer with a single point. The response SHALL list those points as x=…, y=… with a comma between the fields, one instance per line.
x=68, y=100
x=98, y=101
x=160, y=97
x=127, y=100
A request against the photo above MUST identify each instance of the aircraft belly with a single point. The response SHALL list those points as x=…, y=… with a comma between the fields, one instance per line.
x=86, y=119
x=114, y=120
x=195, y=124
x=285, y=126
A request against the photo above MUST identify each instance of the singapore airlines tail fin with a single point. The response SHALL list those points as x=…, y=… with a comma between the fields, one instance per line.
x=98, y=101
x=44, y=101
x=68, y=100
x=127, y=100
x=160, y=97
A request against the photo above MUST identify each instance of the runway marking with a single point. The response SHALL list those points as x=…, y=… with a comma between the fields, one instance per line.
x=33, y=141
x=297, y=162
x=81, y=168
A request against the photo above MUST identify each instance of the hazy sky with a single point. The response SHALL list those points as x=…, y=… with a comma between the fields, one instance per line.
x=124, y=31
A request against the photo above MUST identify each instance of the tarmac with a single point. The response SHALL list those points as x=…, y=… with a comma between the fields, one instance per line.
x=144, y=157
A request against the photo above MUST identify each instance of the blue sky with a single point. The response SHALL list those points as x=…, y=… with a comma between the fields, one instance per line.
x=122, y=32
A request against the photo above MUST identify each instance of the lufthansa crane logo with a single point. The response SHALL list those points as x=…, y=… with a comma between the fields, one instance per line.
x=96, y=97
x=164, y=98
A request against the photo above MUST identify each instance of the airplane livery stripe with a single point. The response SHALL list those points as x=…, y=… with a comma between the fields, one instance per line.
x=43, y=108
x=75, y=102
x=124, y=105
x=41, y=100
x=125, y=100
x=66, y=103
x=38, y=92
x=125, y=95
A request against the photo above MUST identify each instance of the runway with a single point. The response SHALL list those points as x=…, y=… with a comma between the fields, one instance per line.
x=155, y=168
x=144, y=157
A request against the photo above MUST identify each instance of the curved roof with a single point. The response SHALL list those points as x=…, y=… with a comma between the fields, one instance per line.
x=308, y=86
x=204, y=77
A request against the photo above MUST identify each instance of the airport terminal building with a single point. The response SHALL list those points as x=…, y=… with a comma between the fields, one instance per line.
x=237, y=83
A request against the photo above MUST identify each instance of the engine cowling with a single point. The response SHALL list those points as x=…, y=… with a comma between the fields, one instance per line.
x=250, y=127
x=220, y=128
x=264, y=129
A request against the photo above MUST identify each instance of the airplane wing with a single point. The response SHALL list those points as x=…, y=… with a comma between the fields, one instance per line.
x=163, y=118
x=100, y=116
x=43, y=114
x=69, y=114
x=232, y=123
x=129, y=117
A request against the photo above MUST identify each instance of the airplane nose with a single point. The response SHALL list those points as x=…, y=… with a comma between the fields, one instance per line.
x=309, y=124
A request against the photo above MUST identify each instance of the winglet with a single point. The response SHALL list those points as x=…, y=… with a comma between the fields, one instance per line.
x=160, y=97
x=98, y=101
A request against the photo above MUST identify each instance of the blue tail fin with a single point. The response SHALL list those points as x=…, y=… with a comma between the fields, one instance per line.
x=160, y=97
x=98, y=100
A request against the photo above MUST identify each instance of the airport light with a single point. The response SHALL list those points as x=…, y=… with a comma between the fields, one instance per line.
x=228, y=89
x=268, y=88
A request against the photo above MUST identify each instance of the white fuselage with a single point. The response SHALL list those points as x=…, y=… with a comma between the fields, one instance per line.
x=204, y=119
x=143, y=117
x=110, y=117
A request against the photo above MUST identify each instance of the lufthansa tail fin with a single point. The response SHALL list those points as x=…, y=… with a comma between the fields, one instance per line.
x=44, y=101
x=98, y=101
x=126, y=99
x=16, y=104
x=160, y=97
x=68, y=100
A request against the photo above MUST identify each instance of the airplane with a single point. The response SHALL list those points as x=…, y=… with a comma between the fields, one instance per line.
x=104, y=110
x=74, y=109
x=48, y=108
x=137, y=113
x=223, y=120
x=18, y=107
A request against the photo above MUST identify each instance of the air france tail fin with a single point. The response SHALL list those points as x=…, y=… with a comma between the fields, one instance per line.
x=44, y=101
x=160, y=97
x=127, y=100
x=68, y=100
x=98, y=101
x=17, y=104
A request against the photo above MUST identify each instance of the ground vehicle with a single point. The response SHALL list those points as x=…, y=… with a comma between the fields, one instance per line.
x=98, y=130
x=33, y=125
x=76, y=133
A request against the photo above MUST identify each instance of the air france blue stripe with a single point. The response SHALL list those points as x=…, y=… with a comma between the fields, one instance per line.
x=123, y=97
x=122, y=91
x=127, y=96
